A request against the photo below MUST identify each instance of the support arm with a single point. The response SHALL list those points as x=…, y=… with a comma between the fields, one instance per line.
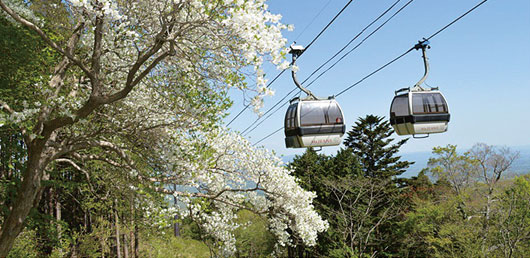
x=296, y=51
x=423, y=45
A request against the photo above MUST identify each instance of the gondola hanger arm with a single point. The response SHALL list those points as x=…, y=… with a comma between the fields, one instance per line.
x=296, y=51
x=423, y=45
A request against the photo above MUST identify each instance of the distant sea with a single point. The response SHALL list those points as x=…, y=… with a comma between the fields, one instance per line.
x=520, y=165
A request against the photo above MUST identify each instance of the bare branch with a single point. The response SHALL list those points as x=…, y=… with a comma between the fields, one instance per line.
x=95, y=101
x=239, y=190
x=74, y=165
x=6, y=107
x=131, y=82
x=85, y=158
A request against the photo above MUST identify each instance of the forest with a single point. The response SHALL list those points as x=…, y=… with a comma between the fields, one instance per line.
x=112, y=144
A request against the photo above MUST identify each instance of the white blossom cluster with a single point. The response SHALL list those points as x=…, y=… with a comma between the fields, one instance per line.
x=21, y=8
x=231, y=35
x=237, y=176
x=19, y=117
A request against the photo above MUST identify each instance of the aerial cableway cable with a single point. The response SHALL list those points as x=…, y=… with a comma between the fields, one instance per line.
x=330, y=59
x=412, y=48
x=390, y=62
x=246, y=106
x=329, y=24
x=313, y=20
x=310, y=43
x=359, y=34
x=360, y=43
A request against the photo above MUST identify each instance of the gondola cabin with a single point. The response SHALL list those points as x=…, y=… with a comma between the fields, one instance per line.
x=419, y=112
x=313, y=123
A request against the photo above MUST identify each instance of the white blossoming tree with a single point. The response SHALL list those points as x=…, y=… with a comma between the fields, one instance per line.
x=234, y=175
x=141, y=86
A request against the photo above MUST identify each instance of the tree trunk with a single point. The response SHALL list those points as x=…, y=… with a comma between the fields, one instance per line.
x=125, y=246
x=58, y=215
x=132, y=242
x=117, y=224
x=103, y=237
x=48, y=199
x=136, y=249
x=102, y=243
x=131, y=231
x=485, y=224
x=176, y=226
x=85, y=220
x=27, y=195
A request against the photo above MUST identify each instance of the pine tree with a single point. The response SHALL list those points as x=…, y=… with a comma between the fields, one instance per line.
x=310, y=168
x=318, y=173
x=370, y=141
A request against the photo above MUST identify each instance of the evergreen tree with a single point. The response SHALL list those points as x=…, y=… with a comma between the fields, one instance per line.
x=317, y=172
x=370, y=141
x=310, y=168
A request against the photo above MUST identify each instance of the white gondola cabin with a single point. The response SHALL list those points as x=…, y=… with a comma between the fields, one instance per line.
x=419, y=112
x=313, y=123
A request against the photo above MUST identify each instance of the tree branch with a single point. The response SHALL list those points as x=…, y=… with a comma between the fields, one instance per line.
x=6, y=107
x=131, y=82
x=188, y=194
x=85, y=158
x=77, y=167
x=96, y=55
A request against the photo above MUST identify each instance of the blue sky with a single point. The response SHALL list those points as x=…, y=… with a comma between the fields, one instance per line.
x=481, y=64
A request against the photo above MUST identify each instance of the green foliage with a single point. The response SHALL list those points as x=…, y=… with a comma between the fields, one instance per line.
x=310, y=166
x=253, y=238
x=12, y=157
x=372, y=213
x=356, y=189
x=25, y=62
x=314, y=171
x=436, y=230
x=420, y=186
x=96, y=243
x=164, y=244
x=25, y=245
x=448, y=164
x=513, y=220
x=468, y=214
